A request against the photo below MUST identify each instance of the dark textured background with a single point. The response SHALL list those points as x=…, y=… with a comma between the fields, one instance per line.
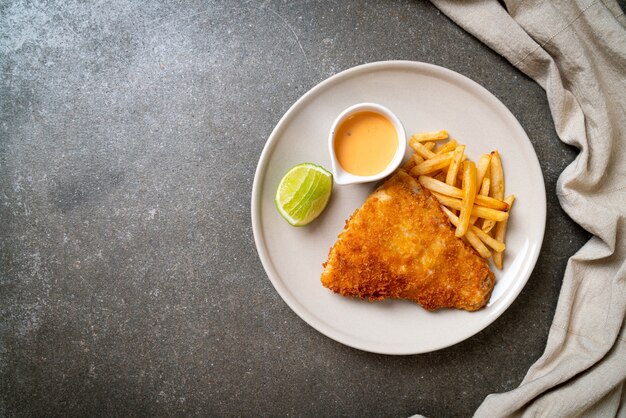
x=129, y=281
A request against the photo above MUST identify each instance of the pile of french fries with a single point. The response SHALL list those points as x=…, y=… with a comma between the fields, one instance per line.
x=471, y=196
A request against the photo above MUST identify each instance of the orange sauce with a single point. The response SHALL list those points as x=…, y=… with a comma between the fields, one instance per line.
x=365, y=143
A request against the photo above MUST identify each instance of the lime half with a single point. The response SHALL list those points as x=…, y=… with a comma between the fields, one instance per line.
x=303, y=193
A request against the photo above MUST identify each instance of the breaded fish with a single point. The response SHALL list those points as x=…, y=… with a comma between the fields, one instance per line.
x=400, y=244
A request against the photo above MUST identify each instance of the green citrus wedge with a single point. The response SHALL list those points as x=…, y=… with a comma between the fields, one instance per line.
x=303, y=193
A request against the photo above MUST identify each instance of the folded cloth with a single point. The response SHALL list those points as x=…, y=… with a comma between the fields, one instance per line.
x=576, y=50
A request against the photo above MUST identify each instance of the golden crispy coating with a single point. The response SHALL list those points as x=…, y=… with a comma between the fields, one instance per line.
x=400, y=244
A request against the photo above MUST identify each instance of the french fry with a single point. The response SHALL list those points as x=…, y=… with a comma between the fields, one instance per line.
x=430, y=136
x=483, y=168
x=471, y=237
x=469, y=195
x=478, y=211
x=497, y=245
x=447, y=147
x=500, y=233
x=484, y=188
x=497, y=183
x=488, y=225
x=412, y=162
x=438, y=186
x=459, y=175
x=497, y=176
x=483, y=193
x=432, y=165
x=455, y=164
x=419, y=148
x=429, y=145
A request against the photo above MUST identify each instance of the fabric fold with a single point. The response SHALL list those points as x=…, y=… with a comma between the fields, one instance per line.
x=576, y=51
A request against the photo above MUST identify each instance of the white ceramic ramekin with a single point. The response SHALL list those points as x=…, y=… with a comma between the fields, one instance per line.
x=342, y=176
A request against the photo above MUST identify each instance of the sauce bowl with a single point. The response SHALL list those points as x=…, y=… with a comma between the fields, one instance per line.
x=343, y=177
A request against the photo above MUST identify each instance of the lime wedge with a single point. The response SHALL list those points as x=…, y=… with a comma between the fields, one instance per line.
x=303, y=193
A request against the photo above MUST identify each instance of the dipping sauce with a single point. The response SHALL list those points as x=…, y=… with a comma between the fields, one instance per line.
x=365, y=143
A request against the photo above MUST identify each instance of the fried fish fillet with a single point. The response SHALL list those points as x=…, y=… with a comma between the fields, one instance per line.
x=400, y=244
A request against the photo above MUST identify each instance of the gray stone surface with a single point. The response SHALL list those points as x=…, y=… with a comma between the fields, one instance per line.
x=129, y=280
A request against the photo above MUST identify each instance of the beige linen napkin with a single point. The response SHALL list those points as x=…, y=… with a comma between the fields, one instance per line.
x=576, y=50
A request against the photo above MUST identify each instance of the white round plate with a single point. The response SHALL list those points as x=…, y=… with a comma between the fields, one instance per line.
x=425, y=97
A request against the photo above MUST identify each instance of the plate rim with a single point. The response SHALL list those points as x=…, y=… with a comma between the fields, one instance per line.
x=256, y=199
